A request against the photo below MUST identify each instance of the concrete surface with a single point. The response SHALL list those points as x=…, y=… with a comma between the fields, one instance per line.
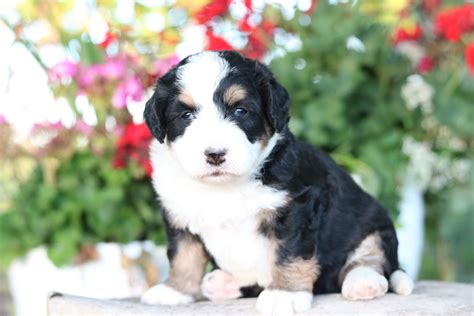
x=428, y=298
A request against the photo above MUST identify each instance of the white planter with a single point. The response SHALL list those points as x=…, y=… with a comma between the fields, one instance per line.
x=116, y=274
x=412, y=229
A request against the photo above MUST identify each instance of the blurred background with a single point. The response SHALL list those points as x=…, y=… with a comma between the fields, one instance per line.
x=386, y=87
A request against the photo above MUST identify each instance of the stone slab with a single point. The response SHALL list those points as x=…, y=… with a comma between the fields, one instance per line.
x=428, y=298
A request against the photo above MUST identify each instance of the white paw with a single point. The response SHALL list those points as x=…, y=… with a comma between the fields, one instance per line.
x=278, y=302
x=364, y=283
x=219, y=286
x=401, y=283
x=165, y=295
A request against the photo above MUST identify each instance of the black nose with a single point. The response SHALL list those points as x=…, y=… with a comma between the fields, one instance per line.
x=215, y=157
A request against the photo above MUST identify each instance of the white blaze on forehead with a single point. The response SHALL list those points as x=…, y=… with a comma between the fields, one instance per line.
x=211, y=128
x=201, y=76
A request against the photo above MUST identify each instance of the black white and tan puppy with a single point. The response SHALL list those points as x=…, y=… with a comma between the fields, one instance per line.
x=277, y=218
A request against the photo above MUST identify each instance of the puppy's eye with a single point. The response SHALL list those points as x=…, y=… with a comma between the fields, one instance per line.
x=188, y=116
x=239, y=112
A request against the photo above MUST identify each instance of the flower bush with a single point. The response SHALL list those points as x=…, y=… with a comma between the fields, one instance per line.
x=385, y=86
x=85, y=202
x=90, y=180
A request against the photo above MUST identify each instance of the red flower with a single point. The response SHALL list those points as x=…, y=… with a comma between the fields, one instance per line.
x=452, y=23
x=312, y=7
x=109, y=39
x=213, y=9
x=259, y=40
x=430, y=5
x=133, y=144
x=257, y=45
x=268, y=27
x=244, y=25
x=425, y=65
x=405, y=34
x=248, y=5
x=216, y=42
x=469, y=55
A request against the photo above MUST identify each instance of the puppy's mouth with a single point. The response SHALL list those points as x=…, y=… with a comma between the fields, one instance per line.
x=217, y=175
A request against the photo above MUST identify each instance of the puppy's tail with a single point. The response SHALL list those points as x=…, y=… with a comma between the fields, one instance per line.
x=401, y=283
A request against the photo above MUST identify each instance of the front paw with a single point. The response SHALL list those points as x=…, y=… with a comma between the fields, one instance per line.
x=165, y=295
x=219, y=285
x=279, y=302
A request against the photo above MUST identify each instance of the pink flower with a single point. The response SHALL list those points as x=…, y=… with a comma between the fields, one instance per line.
x=37, y=127
x=161, y=66
x=425, y=65
x=132, y=88
x=2, y=119
x=87, y=75
x=63, y=69
x=83, y=127
x=113, y=68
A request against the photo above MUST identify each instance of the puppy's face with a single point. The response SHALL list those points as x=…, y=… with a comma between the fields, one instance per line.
x=219, y=113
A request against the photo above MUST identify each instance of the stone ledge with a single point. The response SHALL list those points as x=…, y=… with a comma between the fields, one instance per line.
x=428, y=298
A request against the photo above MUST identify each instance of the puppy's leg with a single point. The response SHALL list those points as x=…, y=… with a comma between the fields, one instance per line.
x=187, y=262
x=291, y=289
x=362, y=275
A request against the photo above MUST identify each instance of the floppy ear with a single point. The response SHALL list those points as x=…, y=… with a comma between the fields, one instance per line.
x=275, y=97
x=154, y=116
x=155, y=108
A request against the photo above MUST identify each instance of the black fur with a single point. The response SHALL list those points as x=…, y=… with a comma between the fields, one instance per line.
x=164, y=108
x=329, y=215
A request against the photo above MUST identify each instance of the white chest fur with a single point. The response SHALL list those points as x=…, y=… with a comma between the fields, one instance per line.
x=225, y=216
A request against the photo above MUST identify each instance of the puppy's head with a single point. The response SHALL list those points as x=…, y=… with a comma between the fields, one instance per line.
x=219, y=113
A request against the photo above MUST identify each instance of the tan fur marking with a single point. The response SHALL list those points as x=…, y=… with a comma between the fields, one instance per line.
x=266, y=137
x=187, y=99
x=187, y=267
x=369, y=254
x=297, y=275
x=234, y=94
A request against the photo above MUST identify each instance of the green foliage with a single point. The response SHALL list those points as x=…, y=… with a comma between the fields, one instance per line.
x=449, y=226
x=348, y=101
x=89, y=202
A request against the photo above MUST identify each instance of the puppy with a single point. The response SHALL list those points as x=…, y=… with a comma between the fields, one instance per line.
x=276, y=217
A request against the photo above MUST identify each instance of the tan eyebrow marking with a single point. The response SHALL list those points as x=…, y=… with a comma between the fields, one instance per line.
x=187, y=99
x=234, y=94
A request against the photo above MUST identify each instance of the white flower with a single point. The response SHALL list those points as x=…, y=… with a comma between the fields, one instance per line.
x=460, y=169
x=416, y=92
x=355, y=44
x=412, y=50
x=431, y=171
x=422, y=159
